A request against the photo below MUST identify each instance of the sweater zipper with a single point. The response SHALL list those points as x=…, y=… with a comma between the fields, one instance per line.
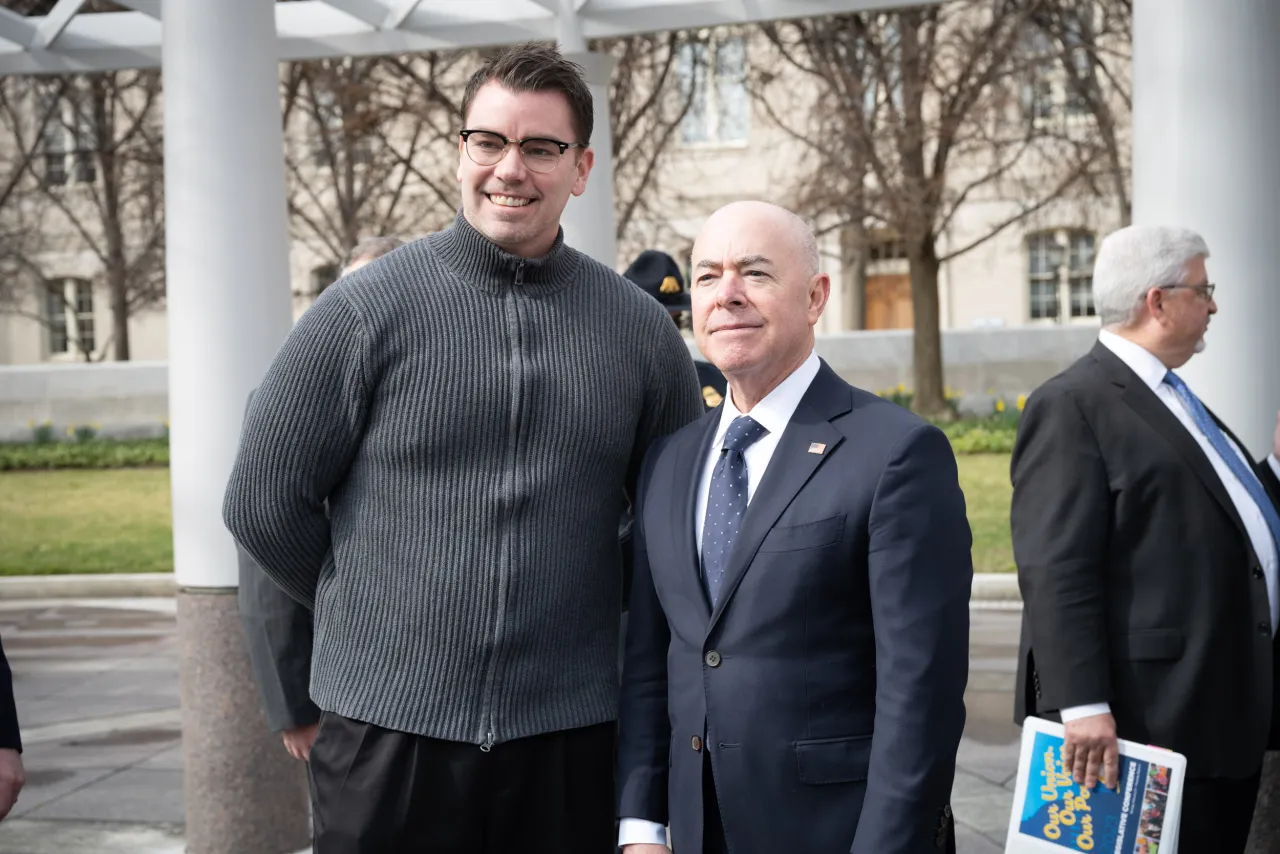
x=490, y=736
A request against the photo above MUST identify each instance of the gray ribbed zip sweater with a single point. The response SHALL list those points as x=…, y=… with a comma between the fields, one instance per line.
x=472, y=419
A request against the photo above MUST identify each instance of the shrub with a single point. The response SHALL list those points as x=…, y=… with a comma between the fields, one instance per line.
x=42, y=434
x=87, y=453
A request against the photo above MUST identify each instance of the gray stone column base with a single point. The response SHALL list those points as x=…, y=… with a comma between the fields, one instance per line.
x=1264, y=836
x=244, y=794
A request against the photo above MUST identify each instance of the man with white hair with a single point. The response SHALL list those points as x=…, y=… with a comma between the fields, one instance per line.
x=1146, y=544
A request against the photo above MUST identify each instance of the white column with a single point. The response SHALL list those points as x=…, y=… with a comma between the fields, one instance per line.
x=227, y=261
x=1206, y=155
x=588, y=219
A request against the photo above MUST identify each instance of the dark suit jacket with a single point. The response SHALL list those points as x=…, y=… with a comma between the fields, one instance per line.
x=828, y=682
x=10, y=737
x=1140, y=584
x=279, y=633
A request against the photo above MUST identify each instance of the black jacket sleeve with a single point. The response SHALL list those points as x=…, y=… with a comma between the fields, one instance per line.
x=10, y=737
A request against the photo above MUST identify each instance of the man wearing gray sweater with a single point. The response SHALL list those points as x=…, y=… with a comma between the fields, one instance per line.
x=474, y=407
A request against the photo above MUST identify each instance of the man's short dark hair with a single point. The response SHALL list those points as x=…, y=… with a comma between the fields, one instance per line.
x=538, y=67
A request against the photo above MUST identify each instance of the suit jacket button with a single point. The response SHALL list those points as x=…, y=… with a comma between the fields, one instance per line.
x=1257, y=572
x=713, y=659
x=1264, y=629
x=695, y=743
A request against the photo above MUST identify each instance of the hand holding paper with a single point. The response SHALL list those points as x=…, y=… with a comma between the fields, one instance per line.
x=1090, y=750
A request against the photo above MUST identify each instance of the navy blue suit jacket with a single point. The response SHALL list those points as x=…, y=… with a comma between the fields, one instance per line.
x=828, y=682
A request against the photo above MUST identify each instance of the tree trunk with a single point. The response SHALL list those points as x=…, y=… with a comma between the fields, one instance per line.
x=853, y=263
x=928, y=398
x=119, y=315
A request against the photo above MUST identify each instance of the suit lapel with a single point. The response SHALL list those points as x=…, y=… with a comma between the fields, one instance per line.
x=1142, y=400
x=789, y=470
x=689, y=460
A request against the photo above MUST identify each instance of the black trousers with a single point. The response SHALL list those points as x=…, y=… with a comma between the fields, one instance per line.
x=379, y=790
x=1216, y=815
x=713, y=838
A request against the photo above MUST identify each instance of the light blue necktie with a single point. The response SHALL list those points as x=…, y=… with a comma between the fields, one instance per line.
x=727, y=501
x=1218, y=439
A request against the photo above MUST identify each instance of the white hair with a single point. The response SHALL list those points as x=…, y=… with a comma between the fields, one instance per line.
x=1137, y=258
x=813, y=261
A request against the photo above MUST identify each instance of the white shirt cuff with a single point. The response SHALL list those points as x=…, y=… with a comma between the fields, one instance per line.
x=1076, y=712
x=1275, y=464
x=637, y=831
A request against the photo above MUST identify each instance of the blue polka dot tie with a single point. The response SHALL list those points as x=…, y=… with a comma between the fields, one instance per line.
x=1218, y=440
x=727, y=501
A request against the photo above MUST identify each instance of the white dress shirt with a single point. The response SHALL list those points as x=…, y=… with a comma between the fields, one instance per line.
x=1152, y=371
x=773, y=414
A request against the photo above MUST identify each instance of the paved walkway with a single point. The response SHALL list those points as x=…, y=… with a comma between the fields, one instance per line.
x=97, y=689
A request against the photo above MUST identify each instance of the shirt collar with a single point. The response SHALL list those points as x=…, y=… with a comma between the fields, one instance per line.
x=1141, y=361
x=775, y=411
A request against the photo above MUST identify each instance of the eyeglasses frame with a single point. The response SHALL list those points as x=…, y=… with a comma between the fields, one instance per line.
x=466, y=133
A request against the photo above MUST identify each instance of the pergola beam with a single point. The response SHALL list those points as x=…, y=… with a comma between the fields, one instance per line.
x=401, y=10
x=370, y=12
x=16, y=29
x=53, y=24
x=315, y=29
x=150, y=8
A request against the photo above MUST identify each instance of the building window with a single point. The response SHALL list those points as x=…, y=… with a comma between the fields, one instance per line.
x=1060, y=274
x=1080, y=274
x=1051, y=87
x=886, y=249
x=714, y=75
x=322, y=277
x=69, y=315
x=68, y=143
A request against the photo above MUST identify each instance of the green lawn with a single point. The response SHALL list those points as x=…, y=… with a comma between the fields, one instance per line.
x=117, y=520
x=85, y=520
x=987, y=493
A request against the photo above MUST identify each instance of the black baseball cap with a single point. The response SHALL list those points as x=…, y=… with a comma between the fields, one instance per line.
x=659, y=276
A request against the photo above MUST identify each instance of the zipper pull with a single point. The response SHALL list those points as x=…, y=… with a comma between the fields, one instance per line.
x=488, y=743
x=520, y=273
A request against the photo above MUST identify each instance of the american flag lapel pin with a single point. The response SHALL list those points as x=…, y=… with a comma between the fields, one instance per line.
x=817, y=448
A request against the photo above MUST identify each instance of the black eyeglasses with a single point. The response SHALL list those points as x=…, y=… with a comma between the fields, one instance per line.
x=1205, y=291
x=487, y=148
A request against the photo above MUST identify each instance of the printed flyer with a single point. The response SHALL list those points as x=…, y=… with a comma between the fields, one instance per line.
x=1052, y=813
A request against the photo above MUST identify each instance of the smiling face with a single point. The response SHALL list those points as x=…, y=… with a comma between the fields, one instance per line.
x=511, y=205
x=755, y=295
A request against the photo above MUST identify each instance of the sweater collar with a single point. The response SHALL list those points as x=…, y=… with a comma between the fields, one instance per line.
x=481, y=263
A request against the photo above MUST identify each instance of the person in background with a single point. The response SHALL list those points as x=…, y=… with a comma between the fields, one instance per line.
x=1145, y=538
x=659, y=276
x=12, y=776
x=277, y=627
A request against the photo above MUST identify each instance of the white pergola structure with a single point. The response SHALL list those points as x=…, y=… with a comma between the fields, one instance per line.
x=1206, y=136
x=226, y=230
